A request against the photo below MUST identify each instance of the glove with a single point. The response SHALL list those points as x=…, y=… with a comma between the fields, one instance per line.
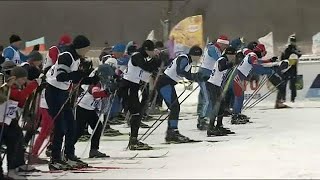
x=205, y=78
x=284, y=66
x=76, y=76
x=274, y=59
x=91, y=80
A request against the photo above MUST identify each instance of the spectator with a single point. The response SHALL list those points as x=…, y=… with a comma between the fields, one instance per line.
x=12, y=52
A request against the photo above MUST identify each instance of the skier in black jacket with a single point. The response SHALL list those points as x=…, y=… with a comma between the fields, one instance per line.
x=290, y=74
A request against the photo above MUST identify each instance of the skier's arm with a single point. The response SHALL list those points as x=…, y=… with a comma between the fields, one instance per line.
x=97, y=92
x=182, y=63
x=8, y=53
x=223, y=64
x=138, y=60
x=63, y=67
x=213, y=52
x=258, y=68
x=23, y=57
x=22, y=95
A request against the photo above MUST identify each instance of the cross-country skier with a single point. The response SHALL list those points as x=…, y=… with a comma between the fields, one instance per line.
x=215, y=86
x=59, y=77
x=12, y=52
x=140, y=63
x=90, y=103
x=12, y=134
x=46, y=120
x=211, y=54
x=252, y=62
x=54, y=51
x=179, y=68
x=291, y=53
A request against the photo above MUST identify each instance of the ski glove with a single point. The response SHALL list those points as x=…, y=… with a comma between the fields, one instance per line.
x=91, y=80
x=76, y=76
x=274, y=59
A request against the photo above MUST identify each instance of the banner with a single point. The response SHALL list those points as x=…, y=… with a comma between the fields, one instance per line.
x=31, y=44
x=267, y=40
x=151, y=36
x=187, y=33
x=316, y=43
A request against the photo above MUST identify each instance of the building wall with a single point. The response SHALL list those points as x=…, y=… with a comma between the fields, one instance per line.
x=132, y=20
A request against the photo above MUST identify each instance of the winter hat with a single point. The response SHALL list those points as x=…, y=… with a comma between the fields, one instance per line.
x=14, y=38
x=148, y=45
x=252, y=45
x=80, y=42
x=293, y=56
x=112, y=62
x=65, y=39
x=119, y=48
x=19, y=72
x=260, y=48
x=230, y=50
x=223, y=40
x=35, y=56
x=195, y=51
x=8, y=65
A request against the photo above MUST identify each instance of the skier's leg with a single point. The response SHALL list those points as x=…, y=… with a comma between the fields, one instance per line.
x=81, y=121
x=293, y=88
x=46, y=129
x=70, y=134
x=55, y=99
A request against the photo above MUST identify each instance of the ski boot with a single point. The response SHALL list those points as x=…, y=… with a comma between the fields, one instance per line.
x=147, y=118
x=94, y=153
x=111, y=132
x=174, y=137
x=32, y=159
x=143, y=125
x=245, y=117
x=225, y=130
x=85, y=137
x=280, y=105
x=215, y=131
x=59, y=165
x=134, y=144
x=236, y=119
x=227, y=113
x=115, y=121
x=202, y=124
x=75, y=162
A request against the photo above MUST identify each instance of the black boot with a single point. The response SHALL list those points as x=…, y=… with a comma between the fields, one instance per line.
x=202, y=124
x=215, y=132
x=134, y=144
x=225, y=130
x=111, y=132
x=174, y=136
x=59, y=165
x=237, y=119
x=94, y=153
x=75, y=162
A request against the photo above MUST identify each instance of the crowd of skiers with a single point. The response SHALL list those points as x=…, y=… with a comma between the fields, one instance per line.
x=62, y=94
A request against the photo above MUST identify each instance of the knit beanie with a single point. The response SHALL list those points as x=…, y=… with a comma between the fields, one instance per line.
x=19, y=72
x=7, y=65
x=14, y=38
x=148, y=45
x=35, y=56
x=119, y=48
x=65, y=39
x=80, y=42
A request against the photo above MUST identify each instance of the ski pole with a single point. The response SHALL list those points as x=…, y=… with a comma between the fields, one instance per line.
x=264, y=96
x=162, y=114
x=162, y=120
x=261, y=84
x=59, y=112
x=108, y=106
x=109, y=111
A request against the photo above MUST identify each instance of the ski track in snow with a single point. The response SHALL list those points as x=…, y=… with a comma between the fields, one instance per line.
x=278, y=144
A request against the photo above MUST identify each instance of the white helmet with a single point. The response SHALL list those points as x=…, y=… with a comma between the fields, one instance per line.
x=112, y=62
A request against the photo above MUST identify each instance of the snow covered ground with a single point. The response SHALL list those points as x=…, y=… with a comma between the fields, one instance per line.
x=278, y=144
